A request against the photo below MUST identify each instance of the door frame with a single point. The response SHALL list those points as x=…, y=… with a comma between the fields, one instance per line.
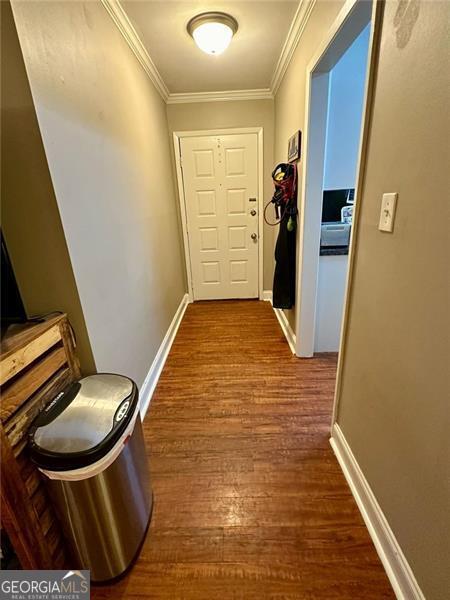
x=177, y=137
x=308, y=254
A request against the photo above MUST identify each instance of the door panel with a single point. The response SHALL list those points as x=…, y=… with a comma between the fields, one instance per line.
x=206, y=203
x=220, y=177
x=235, y=201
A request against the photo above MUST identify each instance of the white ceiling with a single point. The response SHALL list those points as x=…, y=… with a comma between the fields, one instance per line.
x=248, y=63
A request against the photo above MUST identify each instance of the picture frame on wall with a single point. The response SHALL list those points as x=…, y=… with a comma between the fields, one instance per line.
x=294, y=146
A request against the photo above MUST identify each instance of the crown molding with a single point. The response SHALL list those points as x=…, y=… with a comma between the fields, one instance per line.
x=295, y=32
x=123, y=23
x=228, y=95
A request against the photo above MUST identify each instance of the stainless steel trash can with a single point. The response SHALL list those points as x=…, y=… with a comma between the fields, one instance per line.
x=89, y=445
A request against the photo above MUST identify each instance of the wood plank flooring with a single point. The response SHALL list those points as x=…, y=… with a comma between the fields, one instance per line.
x=250, y=502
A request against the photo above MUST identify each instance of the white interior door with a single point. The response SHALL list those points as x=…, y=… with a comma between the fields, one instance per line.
x=220, y=176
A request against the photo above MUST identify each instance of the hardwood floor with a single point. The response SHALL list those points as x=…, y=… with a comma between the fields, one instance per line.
x=250, y=502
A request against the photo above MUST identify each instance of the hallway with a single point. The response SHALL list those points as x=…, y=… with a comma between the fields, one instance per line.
x=142, y=161
x=249, y=500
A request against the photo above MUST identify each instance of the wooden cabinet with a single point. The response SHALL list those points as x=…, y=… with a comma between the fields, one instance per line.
x=37, y=362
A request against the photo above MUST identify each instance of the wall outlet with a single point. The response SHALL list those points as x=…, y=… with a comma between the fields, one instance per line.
x=387, y=214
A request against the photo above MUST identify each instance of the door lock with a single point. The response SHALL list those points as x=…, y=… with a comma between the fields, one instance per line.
x=254, y=237
x=253, y=212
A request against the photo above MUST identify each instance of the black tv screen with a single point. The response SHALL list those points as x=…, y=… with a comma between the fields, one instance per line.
x=333, y=201
x=12, y=308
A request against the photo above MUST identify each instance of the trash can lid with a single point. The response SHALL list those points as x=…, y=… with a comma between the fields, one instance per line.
x=82, y=423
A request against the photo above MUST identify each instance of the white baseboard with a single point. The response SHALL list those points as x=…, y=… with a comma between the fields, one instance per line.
x=285, y=326
x=149, y=385
x=396, y=566
x=282, y=320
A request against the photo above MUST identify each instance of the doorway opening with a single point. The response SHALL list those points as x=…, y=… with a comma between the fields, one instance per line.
x=336, y=98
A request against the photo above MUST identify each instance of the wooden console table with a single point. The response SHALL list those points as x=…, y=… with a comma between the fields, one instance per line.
x=37, y=361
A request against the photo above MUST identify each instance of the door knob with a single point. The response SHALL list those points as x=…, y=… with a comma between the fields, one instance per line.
x=253, y=212
x=254, y=237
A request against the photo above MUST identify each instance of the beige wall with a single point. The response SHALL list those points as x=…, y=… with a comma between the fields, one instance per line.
x=105, y=134
x=290, y=98
x=222, y=115
x=29, y=214
x=394, y=402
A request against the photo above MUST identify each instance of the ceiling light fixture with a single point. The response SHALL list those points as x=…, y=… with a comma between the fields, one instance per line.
x=212, y=31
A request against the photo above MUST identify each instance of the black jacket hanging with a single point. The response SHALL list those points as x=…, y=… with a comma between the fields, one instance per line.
x=285, y=200
x=284, y=276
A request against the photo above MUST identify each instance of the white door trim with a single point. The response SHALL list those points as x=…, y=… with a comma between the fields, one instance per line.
x=305, y=328
x=372, y=59
x=177, y=137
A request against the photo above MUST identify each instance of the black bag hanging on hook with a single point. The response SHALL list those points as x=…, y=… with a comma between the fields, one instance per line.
x=285, y=200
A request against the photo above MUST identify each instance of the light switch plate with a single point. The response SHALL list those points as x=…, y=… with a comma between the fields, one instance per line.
x=387, y=214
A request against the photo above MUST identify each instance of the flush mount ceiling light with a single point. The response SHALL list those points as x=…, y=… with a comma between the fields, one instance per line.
x=212, y=31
